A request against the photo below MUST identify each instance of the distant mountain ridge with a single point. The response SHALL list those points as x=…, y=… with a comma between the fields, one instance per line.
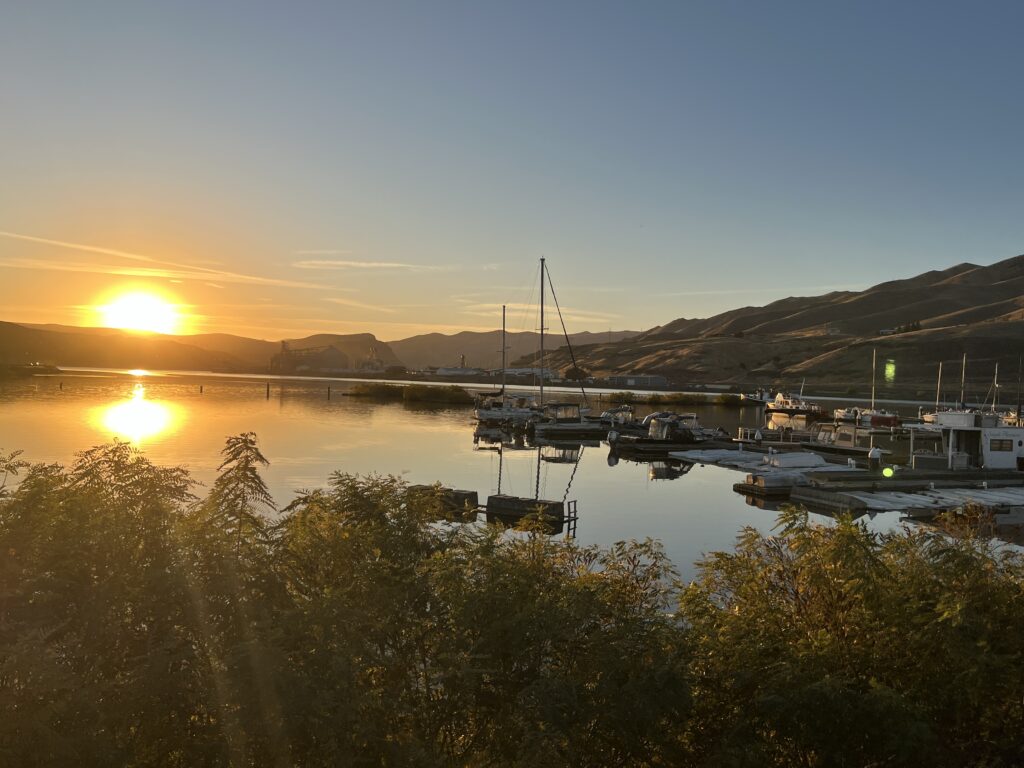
x=115, y=348
x=483, y=349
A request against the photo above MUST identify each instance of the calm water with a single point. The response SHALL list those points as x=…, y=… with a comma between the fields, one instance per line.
x=306, y=437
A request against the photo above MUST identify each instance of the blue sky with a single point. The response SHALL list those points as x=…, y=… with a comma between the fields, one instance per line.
x=399, y=167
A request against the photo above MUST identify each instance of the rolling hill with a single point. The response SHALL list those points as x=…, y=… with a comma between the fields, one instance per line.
x=914, y=323
x=113, y=348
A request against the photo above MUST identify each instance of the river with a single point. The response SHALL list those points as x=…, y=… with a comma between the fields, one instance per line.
x=179, y=419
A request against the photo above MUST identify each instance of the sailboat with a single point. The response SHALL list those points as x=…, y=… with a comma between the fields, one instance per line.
x=868, y=417
x=562, y=420
x=499, y=408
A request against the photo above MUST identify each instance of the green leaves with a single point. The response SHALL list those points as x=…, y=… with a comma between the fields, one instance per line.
x=831, y=645
x=139, y=625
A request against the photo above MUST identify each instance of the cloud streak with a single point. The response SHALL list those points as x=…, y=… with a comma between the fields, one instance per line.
x=348, y=264
x=360, y=305
x=529, y=310
x=161, y=273
x=160, y=269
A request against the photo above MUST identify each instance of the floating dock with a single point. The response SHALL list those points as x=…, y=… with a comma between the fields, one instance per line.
x=556, y=516
x=807, y=478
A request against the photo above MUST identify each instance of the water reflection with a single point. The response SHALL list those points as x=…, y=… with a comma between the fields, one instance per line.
x=139, y=419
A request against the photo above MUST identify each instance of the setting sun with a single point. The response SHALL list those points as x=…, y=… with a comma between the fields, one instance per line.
x=140, y=311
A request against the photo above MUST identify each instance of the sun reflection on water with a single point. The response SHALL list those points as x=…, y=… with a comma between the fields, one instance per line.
x=138, y=419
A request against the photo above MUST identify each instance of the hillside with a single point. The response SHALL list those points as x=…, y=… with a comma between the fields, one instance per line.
x=113, y=348
x=19, y=344
x=977, y=310
x=483, y=350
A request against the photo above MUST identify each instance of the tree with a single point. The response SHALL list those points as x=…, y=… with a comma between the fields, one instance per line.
x=832, y=645
x=574, y=373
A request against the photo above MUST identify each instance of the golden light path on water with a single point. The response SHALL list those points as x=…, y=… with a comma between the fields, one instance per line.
x=138, y=419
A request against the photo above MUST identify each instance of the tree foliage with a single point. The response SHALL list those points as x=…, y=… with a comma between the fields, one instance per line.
x=140, y=625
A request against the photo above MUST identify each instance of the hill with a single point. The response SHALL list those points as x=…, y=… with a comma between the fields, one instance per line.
x=118, y=349
x=914, y=323
x=114, y=348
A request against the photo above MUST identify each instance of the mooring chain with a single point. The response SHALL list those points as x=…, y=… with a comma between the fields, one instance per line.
x=573, y=475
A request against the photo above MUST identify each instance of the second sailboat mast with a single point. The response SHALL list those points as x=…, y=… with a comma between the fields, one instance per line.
x=542, y=330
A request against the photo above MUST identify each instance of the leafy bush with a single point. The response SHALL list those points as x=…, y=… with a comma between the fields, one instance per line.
x=451, y=395
x=835, y=646
x=377, y=391
x=142, y=625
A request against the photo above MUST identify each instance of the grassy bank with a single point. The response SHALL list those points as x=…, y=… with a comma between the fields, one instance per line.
x=412, y=393
x=676, y=398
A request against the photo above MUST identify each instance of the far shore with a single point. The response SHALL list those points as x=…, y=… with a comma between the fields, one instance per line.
x=602, y=392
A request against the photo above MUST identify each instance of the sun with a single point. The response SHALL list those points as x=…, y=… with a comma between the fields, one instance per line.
x=141, y=311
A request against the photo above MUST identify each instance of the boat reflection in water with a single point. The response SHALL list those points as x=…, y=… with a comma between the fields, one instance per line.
x=657, y=469
x=138, y=419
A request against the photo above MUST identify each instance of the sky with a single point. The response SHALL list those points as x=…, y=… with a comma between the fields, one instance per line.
x=280, y=169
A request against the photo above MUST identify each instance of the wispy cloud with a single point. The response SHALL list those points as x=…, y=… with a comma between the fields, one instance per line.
x=77, y=246
x=161, y=273
x=160, y=269
x=348, y=264
x=360, y=305
x=529, y=310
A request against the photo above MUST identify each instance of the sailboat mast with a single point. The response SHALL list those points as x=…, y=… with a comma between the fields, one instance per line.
x=542, y=330
x=995, y=387
x=503, y=348
x=963, y=381
x=874, y=356
x=1018, y=390
x=938, y=387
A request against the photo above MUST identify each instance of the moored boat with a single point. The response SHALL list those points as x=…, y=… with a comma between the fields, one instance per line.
x=664, y=435
x=866, y=417
x=564, y=420
x=790, y=405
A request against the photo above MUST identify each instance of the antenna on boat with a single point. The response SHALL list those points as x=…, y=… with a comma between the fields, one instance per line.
x=995, y=387
x=1018, y=389
x=536, y=492
x=874, y=355
x=938, y=387
x=963, y=381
